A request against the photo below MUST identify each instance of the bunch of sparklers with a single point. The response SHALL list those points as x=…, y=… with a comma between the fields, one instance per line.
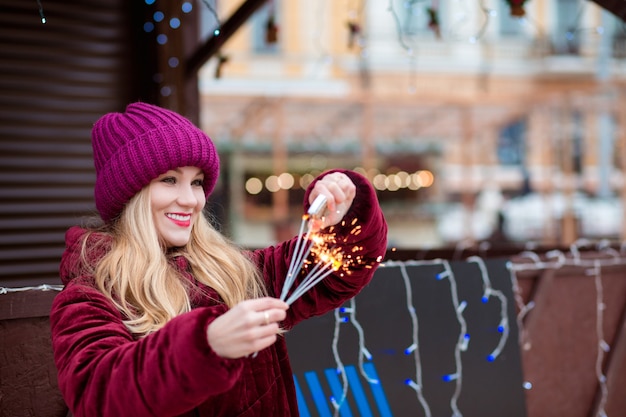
x=328, y=259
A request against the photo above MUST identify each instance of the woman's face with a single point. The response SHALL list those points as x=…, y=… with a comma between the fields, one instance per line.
x=177, y=199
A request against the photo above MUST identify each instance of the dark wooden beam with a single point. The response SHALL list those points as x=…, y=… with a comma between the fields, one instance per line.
x=227, y=29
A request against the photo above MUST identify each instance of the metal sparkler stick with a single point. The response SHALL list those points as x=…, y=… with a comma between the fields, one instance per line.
x=301, y=251
x=310, y=281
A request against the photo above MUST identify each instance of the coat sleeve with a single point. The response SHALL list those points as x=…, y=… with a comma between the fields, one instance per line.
x=103, y=371
x=361, y=236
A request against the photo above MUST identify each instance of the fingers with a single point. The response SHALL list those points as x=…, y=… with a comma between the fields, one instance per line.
x=248, y=327
x=339, y=191
x=266, y=303
x=337, y=187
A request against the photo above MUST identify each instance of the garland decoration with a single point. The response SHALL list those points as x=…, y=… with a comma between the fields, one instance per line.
x=517, y=7
x=221, y=60
x=354, y=29
x=433, y=21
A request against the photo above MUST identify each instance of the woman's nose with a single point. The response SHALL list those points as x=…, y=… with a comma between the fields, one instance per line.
x=186, y=196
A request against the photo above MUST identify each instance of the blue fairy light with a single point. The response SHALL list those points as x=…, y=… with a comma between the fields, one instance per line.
x=158, y=16
x=186, y=7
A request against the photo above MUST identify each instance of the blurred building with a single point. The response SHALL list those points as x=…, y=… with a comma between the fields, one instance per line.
x=474, y=120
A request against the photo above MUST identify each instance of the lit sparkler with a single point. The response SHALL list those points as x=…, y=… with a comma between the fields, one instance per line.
x=328, y=258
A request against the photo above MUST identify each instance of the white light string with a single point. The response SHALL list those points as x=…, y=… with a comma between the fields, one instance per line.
x=603, y=347
x=522, y=308
x=42, y=287
x=364, y=353
x=211, y=8
x=341, y=370
x=488, y=291
x=593, y=267
x=402, y=40
x=463, y=20
x=41, y=14
x=463, y=339
x=414, y=348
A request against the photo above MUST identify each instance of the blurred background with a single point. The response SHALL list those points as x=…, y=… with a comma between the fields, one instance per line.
x=497, y=121
x=488, y=127
x=493, y=122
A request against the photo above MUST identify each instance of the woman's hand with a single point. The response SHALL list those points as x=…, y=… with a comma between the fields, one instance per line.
x=339, y=191
x=248, y=327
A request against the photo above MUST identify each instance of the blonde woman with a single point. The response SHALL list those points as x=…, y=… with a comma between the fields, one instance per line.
x=161, y=315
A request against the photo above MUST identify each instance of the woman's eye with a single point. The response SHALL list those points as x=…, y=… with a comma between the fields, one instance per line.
x=169, y=180
x=198, y=183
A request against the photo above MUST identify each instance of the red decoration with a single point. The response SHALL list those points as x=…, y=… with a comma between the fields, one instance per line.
x=517, y=8
x=221, y=60
x=433, y=21
x=271, y=30
x=353, y=31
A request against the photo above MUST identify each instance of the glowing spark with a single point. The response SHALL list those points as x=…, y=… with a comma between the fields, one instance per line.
x=317, y=254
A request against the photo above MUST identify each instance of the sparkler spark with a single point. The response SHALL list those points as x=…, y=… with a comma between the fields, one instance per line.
x=316, y=254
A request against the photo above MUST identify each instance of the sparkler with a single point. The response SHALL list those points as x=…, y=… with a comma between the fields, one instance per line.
x=328, y=258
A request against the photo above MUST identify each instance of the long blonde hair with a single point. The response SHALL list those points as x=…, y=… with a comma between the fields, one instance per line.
x=138, y=276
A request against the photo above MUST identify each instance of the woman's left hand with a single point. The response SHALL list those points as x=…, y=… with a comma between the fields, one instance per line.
x=339, y=191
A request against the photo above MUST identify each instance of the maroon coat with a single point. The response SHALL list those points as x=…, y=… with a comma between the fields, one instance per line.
x=104, y=371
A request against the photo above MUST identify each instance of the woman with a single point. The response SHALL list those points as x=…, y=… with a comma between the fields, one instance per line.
x=163, y=316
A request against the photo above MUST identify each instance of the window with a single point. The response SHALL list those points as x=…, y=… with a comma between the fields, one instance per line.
x=511, y=144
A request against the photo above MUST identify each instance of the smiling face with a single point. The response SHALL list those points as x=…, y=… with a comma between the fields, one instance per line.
x=177, y=199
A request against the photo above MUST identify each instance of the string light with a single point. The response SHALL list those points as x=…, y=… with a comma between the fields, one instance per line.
x=341, y=370
x=325, y=57
x=382, y=182
x=603, y=346
x=463, y=339
x=43, y=287
x=209, y=6
x=461, y=344
x=488, y=291
x=463, y=20
x=593, y=267
x=41, y=14
x=414, y=348
x=552, y=260
x=487, y=14
x=402, y=40
x=364, y=352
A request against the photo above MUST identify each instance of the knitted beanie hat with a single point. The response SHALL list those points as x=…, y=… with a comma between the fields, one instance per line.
x=131, y=149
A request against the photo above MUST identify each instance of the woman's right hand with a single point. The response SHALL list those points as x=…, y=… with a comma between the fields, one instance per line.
x=248, y=327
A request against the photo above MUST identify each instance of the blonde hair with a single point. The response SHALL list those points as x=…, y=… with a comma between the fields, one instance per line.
x=138, y=276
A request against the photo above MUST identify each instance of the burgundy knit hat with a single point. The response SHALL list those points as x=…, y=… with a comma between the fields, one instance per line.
x=130, y=149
